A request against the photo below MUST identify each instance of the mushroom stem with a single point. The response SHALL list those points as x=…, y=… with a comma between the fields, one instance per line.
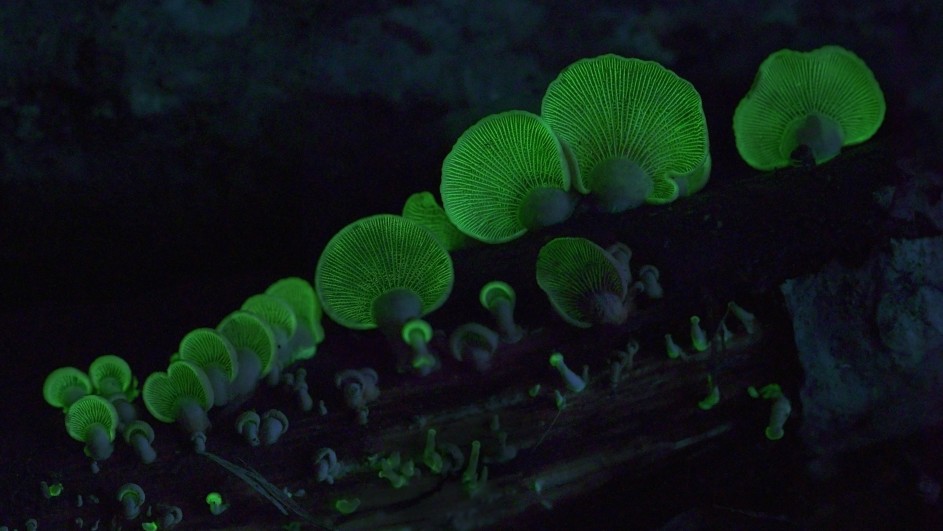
x=822, y=135
x=545, y=206
x=619, y=184
x=98, y=444
x=192, y=417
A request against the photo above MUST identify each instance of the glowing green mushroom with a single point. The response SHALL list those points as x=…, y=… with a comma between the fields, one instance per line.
x=423, y=209
x=384, y=271
x=505, y=175
x=818, y=101
x=498, y=297
x=583, y=282
x=213, y=353
x=300, y=296
x=183, y=394
x=255, y=346
x=64, y=386
x=636, y=129
x=279, y=315
x=140, y=436
x=111, y=375
x=93, y=420
x=131, y=497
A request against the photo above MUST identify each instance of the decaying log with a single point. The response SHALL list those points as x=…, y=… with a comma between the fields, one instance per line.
x=633, y=438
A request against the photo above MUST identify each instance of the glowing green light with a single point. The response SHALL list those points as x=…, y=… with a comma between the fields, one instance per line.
x=347, y=505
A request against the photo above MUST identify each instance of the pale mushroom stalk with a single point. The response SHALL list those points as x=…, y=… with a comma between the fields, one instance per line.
x=499, y=298
x=475, y=340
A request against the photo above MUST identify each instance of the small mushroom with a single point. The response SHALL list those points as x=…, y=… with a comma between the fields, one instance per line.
x=778, y=415
x=499, y=299
x=256, y=350
x=573, y=381
x=325, y=465
x=247, y=425
x=623, y=257
x=648, y=276
x=211, y=351
x=300, y=387
x=417, y=333
x=274, y=425
x=93, y=420
x=584, y=283
x=168, y=516
x=360, y=386
x=216, y=503
x=477, y=341
x=183, y=394
x=64, y=386
x=131, y=498
x=140, y=436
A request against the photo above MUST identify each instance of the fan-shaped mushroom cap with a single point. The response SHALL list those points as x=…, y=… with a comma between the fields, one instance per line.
x=300, y=296
x=504, y=175
x=93, y=420
x=382, y=270
x=280, y=317
x=423, y=209
x=824, y=99
x=213, y=353
x=584, y=283
x=255, y=347
x=183, y=394
x=635, y=129
x=274, y=311
x=64, y=386
x=111, y=375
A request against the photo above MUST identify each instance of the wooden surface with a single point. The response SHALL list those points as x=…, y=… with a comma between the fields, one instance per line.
x=642, y=438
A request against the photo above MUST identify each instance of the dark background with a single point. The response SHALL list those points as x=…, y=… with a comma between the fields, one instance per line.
x=155, y=173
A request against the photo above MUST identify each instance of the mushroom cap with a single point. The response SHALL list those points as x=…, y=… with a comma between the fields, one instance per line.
x=274, y=311
x=416, y=326
x=135, y=427
x=206, y=347
x=422, y=208
x=377, y=257
x=65, y=385
x=134, y=490
x=246, y=418
x=89, y=410
x=88, y=418
x=573, y=272
x=494, y=290
x=110, y=375
x=279, y=416
x=247, y=331
x=165, y=393
x=472, y=335
x=300, y=296
x=791, y=86
x=610, y=107
x=492, y=170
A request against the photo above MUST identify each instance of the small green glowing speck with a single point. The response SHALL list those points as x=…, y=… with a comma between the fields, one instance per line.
x=347, y=505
